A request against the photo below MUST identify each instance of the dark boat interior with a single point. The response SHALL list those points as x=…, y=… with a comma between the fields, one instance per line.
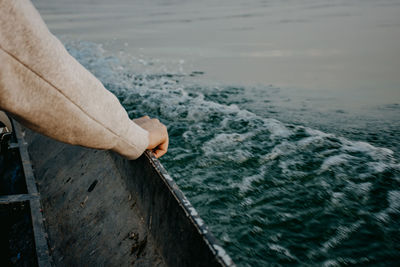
x=73, y=206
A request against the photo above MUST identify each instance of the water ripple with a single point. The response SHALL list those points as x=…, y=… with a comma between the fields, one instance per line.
x=272, y=192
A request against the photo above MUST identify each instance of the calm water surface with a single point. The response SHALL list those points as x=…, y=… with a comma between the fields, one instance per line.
x=283, y=115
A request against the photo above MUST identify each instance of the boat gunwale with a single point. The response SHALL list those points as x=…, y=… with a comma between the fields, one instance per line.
x=219, y=252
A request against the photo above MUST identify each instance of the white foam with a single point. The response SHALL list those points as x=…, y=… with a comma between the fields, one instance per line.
x=342, y=233
x=394, y=201
x=331, y=263
x=212, y=132
x=335, y=161
x=277, y=129
x=337, y=198
x=281, y=250
x=393, y=198
x=246, y=184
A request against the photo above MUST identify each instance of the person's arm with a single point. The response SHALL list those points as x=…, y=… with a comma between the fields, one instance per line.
x=47, y=90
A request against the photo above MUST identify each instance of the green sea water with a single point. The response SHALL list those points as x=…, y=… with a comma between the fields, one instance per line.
x=273, y=192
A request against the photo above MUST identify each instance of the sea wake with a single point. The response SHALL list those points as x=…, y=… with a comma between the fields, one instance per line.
x=272, y=192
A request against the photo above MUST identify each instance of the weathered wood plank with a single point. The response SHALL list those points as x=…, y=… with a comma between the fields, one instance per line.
x=102, y=210
x=17, y=198
x=42, y=251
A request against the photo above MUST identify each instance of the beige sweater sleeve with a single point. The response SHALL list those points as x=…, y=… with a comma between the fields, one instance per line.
x=49, y=91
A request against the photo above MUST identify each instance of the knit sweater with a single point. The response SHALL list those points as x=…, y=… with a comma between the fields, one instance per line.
x=47, y=90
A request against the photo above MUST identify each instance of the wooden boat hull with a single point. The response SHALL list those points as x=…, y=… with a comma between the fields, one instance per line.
x=100, y=209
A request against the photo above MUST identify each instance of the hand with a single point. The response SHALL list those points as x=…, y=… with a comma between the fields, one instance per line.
x=158, y=134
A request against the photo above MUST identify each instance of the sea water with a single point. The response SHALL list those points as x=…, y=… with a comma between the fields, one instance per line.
x=289, y=149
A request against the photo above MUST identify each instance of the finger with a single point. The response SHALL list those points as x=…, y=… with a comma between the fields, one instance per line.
x=161, y=149
x=141, y=119
x=159, y=153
